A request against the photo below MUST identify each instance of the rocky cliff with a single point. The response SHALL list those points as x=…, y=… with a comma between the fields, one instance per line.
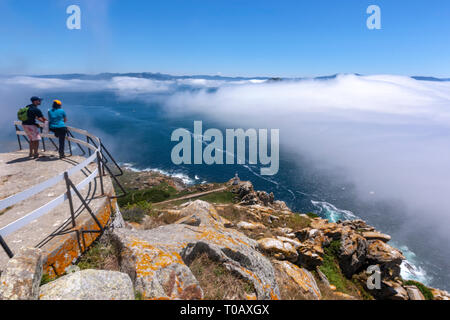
x=231, y=242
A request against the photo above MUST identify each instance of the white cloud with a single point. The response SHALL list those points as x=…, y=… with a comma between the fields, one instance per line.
x=389, y=135
x=129, y=85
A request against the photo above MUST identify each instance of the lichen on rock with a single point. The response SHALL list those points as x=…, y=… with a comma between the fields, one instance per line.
x=158, y=259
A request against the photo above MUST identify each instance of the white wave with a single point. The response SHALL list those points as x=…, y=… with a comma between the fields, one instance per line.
x=332, y=213
x=410, y=268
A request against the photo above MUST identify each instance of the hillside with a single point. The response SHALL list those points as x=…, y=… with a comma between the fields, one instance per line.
x=232, y=243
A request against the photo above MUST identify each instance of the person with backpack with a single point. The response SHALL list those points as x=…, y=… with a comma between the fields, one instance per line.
x=28, y=116
x=58, y=118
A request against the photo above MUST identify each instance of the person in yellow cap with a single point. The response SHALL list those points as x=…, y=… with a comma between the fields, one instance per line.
x=57, y=124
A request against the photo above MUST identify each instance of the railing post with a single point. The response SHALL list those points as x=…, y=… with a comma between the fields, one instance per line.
x=100, y=172
x=18, y=137
x=70, y=147
x=43, y=140
x=86, y=206
x=6, y=248
x=89, y=150
x=69, y=196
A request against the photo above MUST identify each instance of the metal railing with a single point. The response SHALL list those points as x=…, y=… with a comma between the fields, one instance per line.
x=97, y=152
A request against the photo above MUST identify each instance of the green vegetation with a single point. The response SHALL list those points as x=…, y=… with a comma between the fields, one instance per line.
x=334, y=248
x=218, y=197
x=133, y=213
x=138, y=295
x=101, y=256
x=333, y=272
x=362, y=291
x=156, y=194
x=295, y=222
x=232, y=213
x=137, y=212
x=312, y=215
x=46, y=279
x=425, y=291
x=331, y=269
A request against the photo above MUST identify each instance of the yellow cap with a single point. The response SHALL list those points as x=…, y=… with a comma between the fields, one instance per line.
x=57, y=102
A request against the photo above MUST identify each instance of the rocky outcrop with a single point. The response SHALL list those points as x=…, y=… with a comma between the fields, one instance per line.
x=440, y=294
x=389, y=290
x=310, y=255
x=356, y=252
x=299, y=280
x=158, y=260
x=22, y=276
x=279, y=248
x=399, y=292
x=247, y=196
x=250, y=226
x=388, y=258
x=376, y=236
x=157, y=269
x=414, y=293
x=89, y=285
x=352, y=255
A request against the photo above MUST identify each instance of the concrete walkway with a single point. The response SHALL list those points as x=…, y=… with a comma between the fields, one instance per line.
x=18, y=173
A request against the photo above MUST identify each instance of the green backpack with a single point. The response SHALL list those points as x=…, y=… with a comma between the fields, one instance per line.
x=22, y=115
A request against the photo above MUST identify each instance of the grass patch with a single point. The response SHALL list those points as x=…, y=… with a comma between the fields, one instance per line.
x=137, y=212
x=148, y=215
x=103, y=255
x=217, y=282
x=295, y=222
x=232, y=213
x=133, y=214
x=46, y=279
x=138, y=295
x=425, y=291
x=159, y=193
x=331, y=269
x=312, y=215
x=218, y=197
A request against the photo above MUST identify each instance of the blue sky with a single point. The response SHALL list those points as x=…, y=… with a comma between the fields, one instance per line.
x=229, y=37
